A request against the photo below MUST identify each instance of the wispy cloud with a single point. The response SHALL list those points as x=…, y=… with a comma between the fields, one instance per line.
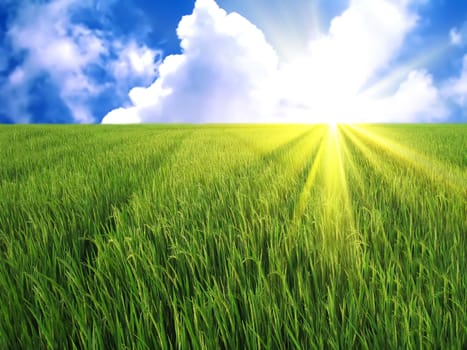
x=455, y=36
x=458, y=35
x=51, y=43
x=456, y=87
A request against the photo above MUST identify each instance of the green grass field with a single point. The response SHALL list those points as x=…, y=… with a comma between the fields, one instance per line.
x=232, y=237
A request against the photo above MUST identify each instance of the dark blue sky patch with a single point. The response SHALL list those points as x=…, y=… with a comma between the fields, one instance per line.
x=50, y=109
x=94, y=20
x=152, y=22
x=4, y=119
x=5, y=14
x=441, y=15
x=99, y=74
x=3, y=21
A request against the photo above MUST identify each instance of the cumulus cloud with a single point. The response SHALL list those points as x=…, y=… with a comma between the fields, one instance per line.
x=52, y=44
x=360, y=42
x=227, y=72
x=222, y=75
x=416, y=100
x=331, y=81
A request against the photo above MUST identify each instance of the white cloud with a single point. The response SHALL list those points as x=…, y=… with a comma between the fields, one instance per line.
x=59, y=48
x=135, y=60
x=223, y=74
x=17, y=77
x=456, y=88
x=416, y=100
x=123, y=116
x=227, y=72
x=455, y=37
x=361, y=42
x=65, y=51
x=458, y=35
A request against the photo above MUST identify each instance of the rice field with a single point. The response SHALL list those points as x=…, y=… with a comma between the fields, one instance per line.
x=233, y=237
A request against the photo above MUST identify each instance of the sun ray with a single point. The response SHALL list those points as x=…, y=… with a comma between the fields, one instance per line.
x=315, y=24
x=413, y=200
x=339, y=232
x=310, y=181
x=368, y=153
x=348, y=157
x=395, y=76
x=436, y=171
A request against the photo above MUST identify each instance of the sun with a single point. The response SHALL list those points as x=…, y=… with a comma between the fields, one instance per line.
x=332, y=126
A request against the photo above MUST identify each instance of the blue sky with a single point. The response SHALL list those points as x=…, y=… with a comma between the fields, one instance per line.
x=132, y=61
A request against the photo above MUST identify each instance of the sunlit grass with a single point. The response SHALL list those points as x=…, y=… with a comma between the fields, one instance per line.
x=452, y=176
x=278, y=236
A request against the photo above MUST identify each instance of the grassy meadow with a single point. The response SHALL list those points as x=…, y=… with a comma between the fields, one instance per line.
x=233, y=237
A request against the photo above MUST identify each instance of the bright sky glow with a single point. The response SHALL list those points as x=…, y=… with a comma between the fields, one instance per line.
x=309, y=61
